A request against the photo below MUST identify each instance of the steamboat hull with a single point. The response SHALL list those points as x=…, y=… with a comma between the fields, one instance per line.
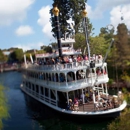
x=44, y=112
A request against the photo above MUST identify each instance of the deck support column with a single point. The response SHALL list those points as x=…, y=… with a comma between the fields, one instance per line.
x=93, y=96
x=44, y=93
x=56, y=97
x=82, y=97
x=75, y=76
x=102, y=89
x=39, y=88
x=67, y=97
x=49, y=95
x=66, y=79
x=106, y=89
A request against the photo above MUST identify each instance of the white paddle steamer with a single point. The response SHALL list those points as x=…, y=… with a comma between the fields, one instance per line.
x=72, y=83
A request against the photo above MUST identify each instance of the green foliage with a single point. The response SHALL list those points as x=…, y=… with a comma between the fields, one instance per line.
x=48, y=49
x=3, y=58
x=64, y=9
x=98, y=46
x=68, y=9
x=107, y=33
x=3, y=106
x=75, y=12
x=126, y=78
x=40, y=51
x=17, y=55
x=110, y=81
x=123, y=46
x=80, y=41
x=123, y=121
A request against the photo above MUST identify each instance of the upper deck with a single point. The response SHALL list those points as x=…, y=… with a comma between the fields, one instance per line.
x=73, y=75
x=64, y=67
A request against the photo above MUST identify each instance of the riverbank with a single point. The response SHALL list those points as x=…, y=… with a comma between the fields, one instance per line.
x=4, y=67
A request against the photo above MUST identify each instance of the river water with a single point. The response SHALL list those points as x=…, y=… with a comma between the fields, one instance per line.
x=21, y=115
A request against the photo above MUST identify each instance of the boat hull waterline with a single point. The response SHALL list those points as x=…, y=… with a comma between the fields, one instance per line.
x=108, y=113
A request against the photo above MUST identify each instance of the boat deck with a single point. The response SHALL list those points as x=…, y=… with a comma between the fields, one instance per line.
x=91, y=106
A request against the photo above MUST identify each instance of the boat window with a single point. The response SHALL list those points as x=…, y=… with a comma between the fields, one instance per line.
x=70, y=76
x=37, y=88
x=49, y=77
x=46, y=92
x=62, y=77
x=32, y=86
x=53, y=94
x=56, y=77
x=46, y=76
x=80, y=74
x=42, y=90
x=53, y=77
x=29, y=85
x=87, y=73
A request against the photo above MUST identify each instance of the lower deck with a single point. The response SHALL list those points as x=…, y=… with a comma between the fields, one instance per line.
x=103, y=104
x=91, y=107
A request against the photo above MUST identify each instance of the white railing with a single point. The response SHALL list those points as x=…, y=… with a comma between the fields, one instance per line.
x=88, y=80
x=40, y=96
x=62, y=66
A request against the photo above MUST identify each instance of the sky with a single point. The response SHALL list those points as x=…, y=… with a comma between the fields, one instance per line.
x=25, y=23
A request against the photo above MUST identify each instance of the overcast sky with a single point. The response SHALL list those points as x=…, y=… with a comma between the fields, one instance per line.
x=25, y=23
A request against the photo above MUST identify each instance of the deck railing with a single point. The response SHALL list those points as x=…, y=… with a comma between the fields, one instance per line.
x=72, y=65
x=87, y=80
x=40, y=96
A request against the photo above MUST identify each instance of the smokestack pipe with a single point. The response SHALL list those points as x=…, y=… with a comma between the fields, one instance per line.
x=56, y=14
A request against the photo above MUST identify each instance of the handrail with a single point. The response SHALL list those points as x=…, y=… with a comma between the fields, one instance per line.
x=64, y=66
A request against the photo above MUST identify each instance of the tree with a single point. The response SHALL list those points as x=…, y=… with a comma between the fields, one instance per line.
x=3, y=58
x=98, y=45
x=107, y=33
x=123, y=46
x=80, y=41
x=76, y=8
x=63, y=16
x=3, y=106
x=68, y=9
x=48, y=49
x=16, y=55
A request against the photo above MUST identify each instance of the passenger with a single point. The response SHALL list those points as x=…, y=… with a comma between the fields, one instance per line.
x=82, y=97
x=94, y=57
x=71, y=105
x=62, y=79
x=87, y=97
x=76, y=105
x=98, y=71
x=53, y=61
x=100, y=58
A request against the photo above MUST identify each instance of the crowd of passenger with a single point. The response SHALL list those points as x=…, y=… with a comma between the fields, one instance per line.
x=70, y=59
x=84, y=98
x=101, y=101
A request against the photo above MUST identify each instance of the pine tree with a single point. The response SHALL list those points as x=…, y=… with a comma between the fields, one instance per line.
x=68, y=9
x=76, y=8
x=64, y=9
x=123, y=47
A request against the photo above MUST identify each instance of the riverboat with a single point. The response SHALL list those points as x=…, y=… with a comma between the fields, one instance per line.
x=70, y=82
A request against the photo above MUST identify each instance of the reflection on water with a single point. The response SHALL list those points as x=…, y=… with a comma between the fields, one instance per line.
x=26, y=117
